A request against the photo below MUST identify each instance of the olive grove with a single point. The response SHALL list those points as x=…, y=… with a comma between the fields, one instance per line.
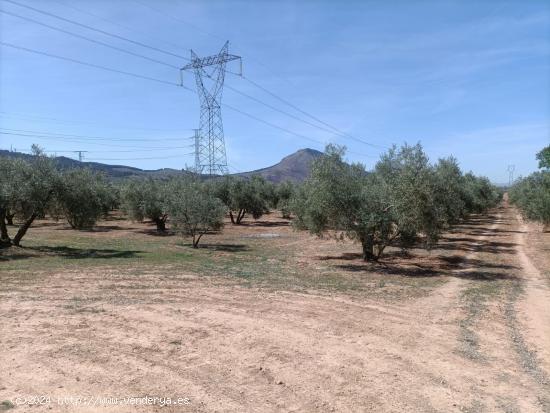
x=404, y=200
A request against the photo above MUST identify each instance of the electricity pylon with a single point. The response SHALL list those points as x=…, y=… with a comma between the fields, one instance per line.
x=80, y=155
x=511, y=169
x=210, y=157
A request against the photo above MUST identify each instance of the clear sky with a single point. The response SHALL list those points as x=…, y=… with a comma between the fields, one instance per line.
x=465, y=78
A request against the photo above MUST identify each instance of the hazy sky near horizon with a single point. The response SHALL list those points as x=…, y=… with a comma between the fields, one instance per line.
x=465, y=78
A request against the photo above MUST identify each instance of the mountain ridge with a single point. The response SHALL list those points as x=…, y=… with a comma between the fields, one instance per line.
x=294, y=167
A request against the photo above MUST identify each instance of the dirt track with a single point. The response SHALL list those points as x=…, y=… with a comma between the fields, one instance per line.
x=480, y=342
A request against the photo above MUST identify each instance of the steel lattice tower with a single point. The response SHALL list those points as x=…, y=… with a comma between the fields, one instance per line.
x=210, y=157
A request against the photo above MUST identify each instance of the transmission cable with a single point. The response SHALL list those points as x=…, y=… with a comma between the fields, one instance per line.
x=69, y=59
x=119, y=49
x=163, y=82
x=137, y=139
x=335, y=130
x=97, y=30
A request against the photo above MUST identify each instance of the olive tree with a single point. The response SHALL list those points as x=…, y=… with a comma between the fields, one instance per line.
x=28, y=192
x=392, y=205
x=479, y=194
x=285, y=192
x=84, y=197
x=243, y=196
x=194, y=209
x=532, y=196
x=6, y=188
x=544, y=158
x=449, y=191
x=144, y=198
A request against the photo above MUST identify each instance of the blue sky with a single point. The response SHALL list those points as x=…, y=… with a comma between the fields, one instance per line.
x=465, y=78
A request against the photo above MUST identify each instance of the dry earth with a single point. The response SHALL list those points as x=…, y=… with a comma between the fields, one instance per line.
x=475, y=338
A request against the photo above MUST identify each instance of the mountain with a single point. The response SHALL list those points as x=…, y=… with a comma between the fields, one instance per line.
x=293, y=167
x=114, y=171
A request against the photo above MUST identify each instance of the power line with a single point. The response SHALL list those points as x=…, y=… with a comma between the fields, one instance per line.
x=49, y=138
x=41, y=133
x=115, y=23
x=97, y=30
x=141, y=159
x=79, y=36
x=331, y=130
x=134, y=159
x=335, y=130
x=124, y=151
x=200, y=29
x=69, y=59
x=41, y=119
x=175, y=67
x=163, y=82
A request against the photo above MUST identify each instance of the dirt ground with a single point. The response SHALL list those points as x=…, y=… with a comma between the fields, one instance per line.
x=306, y=328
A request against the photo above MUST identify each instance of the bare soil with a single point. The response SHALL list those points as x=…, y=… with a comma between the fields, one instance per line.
x=307, y=327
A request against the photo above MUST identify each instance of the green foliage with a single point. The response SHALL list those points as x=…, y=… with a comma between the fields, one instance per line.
x=144, y=198
x=84, y=197
x=449, y=191
x=244, y=196
x=403, y=200
x=544, y=158
x=479, y=194
x=532, y=196
x=194, y=209
x=28, y=191
x=284, y=192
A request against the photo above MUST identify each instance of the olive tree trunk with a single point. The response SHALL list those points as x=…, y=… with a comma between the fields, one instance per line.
x=160, y=222
x=23, y=229
x=9, y=217
x=4, y=236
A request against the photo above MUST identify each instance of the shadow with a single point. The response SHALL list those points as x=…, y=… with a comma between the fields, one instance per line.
x=38, y=224
x=266, y=224
x=343, y=256
x=476, y=275
x=14, y=257
x=102, y=228
x=80, y=253
x=455, y=262
x=153, y=232
x=397, y=270
x=471, y=245
x=115, y=218
x=224, y=247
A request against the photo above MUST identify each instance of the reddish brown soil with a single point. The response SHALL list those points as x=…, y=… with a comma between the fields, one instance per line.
x=476, y=341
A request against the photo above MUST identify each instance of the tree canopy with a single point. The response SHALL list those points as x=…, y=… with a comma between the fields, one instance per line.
x=399, y=203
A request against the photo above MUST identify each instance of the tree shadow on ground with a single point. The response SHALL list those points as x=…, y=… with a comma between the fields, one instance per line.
x=265, y=224
x=391, y=269
x=75, y=253
x=13, y=257
x=153, y=232
x=403, y=263
x=343, y=256
x=38, y=224
x=475, y=245
x=220, y=247
x=103, y=228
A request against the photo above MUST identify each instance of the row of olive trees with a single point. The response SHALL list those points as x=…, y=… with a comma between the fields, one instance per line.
x=32, y=189
x=195, y=208
x=404, y=199
x=191, y=206
x=532, y=194
x=36, y=188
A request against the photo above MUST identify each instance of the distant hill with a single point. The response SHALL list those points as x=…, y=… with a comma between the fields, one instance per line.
x=294, y=167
